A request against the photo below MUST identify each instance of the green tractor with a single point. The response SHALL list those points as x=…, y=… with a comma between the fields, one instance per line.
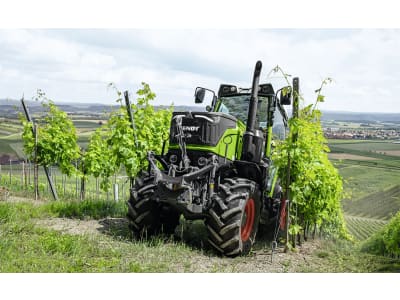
x=217, y=168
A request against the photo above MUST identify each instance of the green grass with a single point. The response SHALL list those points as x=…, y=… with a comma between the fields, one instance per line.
x=338, y=256
x=26, y=247
x=86, y=209
x=379, y=205
x=361, y=181
x=68, y=188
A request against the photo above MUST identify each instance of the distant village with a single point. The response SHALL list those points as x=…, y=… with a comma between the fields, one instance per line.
x=362, y=133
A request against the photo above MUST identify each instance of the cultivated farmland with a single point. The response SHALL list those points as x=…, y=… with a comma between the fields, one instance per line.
x=371, y=172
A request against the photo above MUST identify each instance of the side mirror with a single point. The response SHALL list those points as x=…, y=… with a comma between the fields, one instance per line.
x=286, y=95
x=208, y=108
x=199, y=95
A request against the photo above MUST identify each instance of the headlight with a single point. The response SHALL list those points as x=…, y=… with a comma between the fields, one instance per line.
x=173, y=158
x=202, y=161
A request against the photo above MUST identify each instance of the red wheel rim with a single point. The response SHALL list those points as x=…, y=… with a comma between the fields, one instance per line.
x=248, y=219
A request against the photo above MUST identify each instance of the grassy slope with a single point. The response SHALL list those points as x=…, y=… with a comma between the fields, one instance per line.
x=29, y=247
x=361, y=181
x=362, y=228
x=380, y=205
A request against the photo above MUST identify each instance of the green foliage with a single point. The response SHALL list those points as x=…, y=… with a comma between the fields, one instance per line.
x=316, y=186
x=151, y=129
x=98, y=160
x=57, y=139
x=387, y=240
x=124, y=146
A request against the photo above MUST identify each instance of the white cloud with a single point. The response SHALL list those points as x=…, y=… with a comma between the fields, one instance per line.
x=77, y=65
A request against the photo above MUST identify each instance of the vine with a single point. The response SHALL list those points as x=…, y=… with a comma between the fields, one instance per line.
x=98, y=160
x=57, y=139
x=316, y=187
x=386, y=241
x=121, y=145
x=113, y=145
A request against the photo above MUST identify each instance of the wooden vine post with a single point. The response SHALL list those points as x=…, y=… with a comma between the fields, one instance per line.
x=295, y=114
x=35, y=165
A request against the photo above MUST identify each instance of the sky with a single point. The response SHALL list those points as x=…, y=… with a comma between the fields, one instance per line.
x=76, y=64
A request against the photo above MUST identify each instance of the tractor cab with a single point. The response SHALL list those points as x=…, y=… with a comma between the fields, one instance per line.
x=235, y=101
x=271, y=118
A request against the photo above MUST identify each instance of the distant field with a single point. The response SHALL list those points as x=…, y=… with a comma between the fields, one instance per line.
x=88, y=123
x=7, y=144
x=371, y=173
x=7, y=128
x=361, y=181
x=5, y=148
x=381, y=154
x=362, y=228
x=341, y=141
x=350, y=156
x=367, y=215
x=11, y=143
x=369, y=146
x=379, y=205
x=87, y=127
x=393, y=152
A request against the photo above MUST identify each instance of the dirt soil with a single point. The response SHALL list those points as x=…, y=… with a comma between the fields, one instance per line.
x=350, y=156
x=393, y=152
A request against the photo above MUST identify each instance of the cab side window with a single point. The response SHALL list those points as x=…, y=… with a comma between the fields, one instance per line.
x=278, y=129
x=223, y=109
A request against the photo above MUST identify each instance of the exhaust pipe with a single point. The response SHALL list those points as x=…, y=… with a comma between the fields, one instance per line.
x=252, y=138
x=251, y=118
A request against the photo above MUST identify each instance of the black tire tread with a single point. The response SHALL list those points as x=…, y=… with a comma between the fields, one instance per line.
x=224, y=221
x=147, y=217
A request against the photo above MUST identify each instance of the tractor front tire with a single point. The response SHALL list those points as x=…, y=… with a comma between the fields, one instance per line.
x=233, y=220
x=147, y=217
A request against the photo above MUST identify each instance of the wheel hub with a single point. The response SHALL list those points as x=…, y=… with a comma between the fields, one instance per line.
x=248, y=219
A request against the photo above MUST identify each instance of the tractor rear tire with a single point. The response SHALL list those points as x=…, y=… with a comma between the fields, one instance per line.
x=147, y=217
x=233, y=220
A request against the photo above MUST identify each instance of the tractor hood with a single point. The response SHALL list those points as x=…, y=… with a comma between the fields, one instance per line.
x=202, y=128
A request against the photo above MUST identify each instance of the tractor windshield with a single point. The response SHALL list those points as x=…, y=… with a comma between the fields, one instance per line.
x=238, y=106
